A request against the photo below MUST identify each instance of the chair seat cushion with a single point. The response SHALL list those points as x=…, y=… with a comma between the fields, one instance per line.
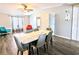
x=25, y=46
x=34, y=43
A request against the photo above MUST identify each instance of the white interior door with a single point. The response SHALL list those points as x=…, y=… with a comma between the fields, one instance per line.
x=78, y=27
x=52, y=22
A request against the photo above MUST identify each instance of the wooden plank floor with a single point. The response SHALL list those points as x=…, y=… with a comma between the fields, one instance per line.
x=60, y=46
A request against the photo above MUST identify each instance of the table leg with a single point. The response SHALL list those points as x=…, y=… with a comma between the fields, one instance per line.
x=29, y=48
x=51, y=42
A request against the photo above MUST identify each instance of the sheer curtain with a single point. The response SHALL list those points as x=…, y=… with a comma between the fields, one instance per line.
x=75, y=25
x=17, y=23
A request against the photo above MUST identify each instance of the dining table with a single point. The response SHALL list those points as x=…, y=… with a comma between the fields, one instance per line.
x=27, y=38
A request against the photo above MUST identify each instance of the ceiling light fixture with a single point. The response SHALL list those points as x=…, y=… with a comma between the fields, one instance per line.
x=25, y=8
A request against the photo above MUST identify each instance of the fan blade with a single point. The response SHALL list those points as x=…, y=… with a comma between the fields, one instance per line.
x=29, y=10
x=25, y=6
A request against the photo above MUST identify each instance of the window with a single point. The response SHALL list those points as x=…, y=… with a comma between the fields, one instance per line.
x=17, y=23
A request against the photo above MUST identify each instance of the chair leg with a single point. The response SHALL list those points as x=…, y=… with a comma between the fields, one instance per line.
x=47, y=46
x=32, y=50
x=37, y=51
x=44, y=47
x=21, y=52
x=17, y=52
x=29, y=48
x=51, y=41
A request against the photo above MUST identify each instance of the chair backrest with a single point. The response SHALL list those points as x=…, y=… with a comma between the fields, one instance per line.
x=18, y=43
x=49, y=36
x=36, y=29
x=41, y=40
x=48, y=29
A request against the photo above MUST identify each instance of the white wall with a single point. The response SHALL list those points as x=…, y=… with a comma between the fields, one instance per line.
x=62, y=26
x=44, y=19
x=33, y=20
x=5, y=20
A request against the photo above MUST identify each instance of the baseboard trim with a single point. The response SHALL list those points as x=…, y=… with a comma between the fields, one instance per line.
x=67, y=38
x=62, y=36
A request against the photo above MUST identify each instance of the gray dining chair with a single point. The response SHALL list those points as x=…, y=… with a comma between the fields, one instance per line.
x=36, y=29
x=48, y=29
x=48, y=39
x=21, y=47
x=39, y=43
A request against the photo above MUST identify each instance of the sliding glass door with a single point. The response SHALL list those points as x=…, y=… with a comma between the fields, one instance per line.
x=75, y=27
x=17, y=24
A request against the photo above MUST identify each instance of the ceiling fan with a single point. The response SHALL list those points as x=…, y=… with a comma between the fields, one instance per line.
x=25, y=8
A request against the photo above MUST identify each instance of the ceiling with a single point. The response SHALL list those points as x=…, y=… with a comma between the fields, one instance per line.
x=13, y=8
